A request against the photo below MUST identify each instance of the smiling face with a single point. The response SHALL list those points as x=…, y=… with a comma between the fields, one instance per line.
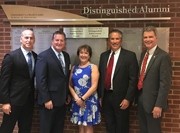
x=149, y=39
x=27, y=40
x=84, y=55
x=115, y=41
x=58, y=42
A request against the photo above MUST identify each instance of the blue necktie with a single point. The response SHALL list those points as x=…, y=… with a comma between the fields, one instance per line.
x=62, y=64
x=30, y=64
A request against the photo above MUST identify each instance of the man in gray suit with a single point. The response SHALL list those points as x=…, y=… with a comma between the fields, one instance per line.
x=154, y=83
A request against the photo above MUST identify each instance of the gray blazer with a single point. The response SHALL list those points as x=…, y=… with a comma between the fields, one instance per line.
x=157, y=80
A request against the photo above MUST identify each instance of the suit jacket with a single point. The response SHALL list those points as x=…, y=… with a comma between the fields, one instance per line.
x=125, y=76
x=157, y=80
x=51, y=81
x=15, y=81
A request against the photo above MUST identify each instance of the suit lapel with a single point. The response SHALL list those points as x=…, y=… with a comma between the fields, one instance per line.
x=119, y=61
x=53, y=55
x=66, y=64
x=106, y=60
x=23, y=61
x=153, y=58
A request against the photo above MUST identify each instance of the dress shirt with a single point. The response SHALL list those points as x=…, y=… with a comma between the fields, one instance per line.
x=151, y=52
x=25, y=53
x=61, y=54
x=116, y=56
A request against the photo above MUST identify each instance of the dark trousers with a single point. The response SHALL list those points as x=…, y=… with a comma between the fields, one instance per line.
x=147, y=123
x=21, y=114
x=117, y=120
x=52, y=120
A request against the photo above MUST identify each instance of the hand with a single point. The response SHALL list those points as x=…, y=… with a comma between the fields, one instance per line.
x=49, y=105
x=100, y=102
x=6, y=108
x=79, y=102
x=124, y=104
x=68, y=100
x=157, y=112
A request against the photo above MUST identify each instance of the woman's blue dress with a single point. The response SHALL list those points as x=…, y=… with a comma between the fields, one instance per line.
x=90, y=115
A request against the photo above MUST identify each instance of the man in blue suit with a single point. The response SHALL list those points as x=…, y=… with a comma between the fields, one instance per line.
x=52, y=76
x=17, y=86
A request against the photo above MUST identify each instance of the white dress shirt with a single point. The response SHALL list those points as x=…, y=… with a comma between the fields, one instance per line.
x=151, y=52
x=25, y=53
x=116, y=56
x=61, y=54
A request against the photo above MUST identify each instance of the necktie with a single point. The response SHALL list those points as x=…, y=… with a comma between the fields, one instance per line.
x=107, y=82
x=62, y=63
x=140, y=82
x=29, y=64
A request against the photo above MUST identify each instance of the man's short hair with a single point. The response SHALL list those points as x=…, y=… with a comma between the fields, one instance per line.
x=117, y=31
x=59, y=32
x=150, y=28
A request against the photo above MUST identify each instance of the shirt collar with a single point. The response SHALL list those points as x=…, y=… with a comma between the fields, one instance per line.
x=56, y=51
x=151, y=51
x=117, y=51
x=25, y=52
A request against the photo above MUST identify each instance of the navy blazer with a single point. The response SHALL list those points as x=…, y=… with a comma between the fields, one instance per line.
x=15, y=81
x=52, y=83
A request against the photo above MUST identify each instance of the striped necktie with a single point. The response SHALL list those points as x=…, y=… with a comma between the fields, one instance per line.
x=62, y=63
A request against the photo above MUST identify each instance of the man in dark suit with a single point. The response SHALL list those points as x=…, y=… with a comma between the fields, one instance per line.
x=52, y=76
x=17, y=86
x=154, y=84
x=115, y=99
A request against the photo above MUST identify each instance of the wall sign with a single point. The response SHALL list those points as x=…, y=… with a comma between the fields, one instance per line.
x=86, y=32
x=124, y=10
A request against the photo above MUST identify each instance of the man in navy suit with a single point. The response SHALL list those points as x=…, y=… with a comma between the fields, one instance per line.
x=116, y=99
x=155, y=86
x=52, y=76
x=17, y=86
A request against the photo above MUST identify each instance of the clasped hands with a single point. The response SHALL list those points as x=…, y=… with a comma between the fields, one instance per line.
x=79, y=102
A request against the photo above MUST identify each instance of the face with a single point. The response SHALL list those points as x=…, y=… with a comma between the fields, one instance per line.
x=58, y=42
x=27, y=40
x=149, y=39
x=84, y=55
x=115, y=41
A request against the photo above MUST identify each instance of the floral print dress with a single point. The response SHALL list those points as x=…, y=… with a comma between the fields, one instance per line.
x=90, y=115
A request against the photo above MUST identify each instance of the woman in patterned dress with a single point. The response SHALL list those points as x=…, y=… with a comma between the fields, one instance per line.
x=83, y=84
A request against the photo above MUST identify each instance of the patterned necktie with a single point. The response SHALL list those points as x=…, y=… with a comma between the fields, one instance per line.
x=62, y=63
x=107, y=82
x=29, y=64
x=140, y=82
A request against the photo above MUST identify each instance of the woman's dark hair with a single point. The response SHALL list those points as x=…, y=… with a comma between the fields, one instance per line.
x=86, y=47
